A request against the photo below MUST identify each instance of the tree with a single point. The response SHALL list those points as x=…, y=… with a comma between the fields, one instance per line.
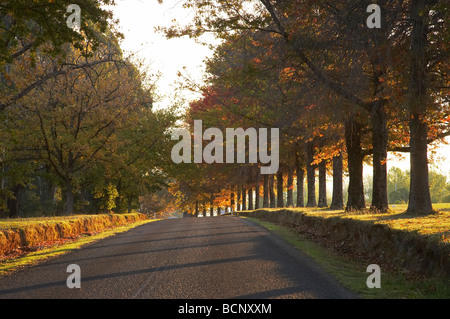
x=92, y=128
x=337, y=201
x=363, y=68
x=418, y=101
x=39, y=27
x=438, y=186
x=398, y=183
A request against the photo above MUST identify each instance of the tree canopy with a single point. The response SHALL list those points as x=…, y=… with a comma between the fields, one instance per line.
x=334, y=86
x=78, y=132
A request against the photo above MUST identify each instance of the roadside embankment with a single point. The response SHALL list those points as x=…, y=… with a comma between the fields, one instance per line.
x=400, y=248
x=23, y=233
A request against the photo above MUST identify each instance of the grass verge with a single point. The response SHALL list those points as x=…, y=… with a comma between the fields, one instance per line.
x=32, y=258
x=351, y=272
x=435, y=226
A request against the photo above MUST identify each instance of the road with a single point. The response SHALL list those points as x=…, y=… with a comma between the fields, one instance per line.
x=221, y=257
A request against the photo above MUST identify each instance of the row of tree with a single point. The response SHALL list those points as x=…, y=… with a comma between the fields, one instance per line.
x=341, y=93
x=77, y=129
x=285, y=195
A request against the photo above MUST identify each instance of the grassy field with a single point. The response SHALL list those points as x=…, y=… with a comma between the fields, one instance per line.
x=351, y=272
x=435, y=226
x=45, y=250
x=23, y=222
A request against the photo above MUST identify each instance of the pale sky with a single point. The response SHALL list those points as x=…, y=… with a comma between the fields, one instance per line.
x=138, y=18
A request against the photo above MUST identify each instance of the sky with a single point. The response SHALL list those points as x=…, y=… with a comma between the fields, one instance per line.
x=137, y=21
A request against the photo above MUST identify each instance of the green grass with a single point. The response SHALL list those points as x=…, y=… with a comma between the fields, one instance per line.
x=33, y=258
x=352, y=273
x=23, y=222
x=8, y=223
x=435, y=226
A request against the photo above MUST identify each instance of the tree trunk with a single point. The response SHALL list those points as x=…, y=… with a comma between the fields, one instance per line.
x=271, y=192
x=130, y=204
x=69, y=200
x=250, y=199
x=13, y=203
x=379, y=144
x=211, y=205
x=196, y=208
x=310, y=175
x=265, y=191
x=419, y=192
x=322, y=185
x=300, y=178
x=290, y=188
x=337, y=202
x=355, y=166
x=238, y=200
x=244, y=198
x=280, y=199
x=232, y=203
x=257, y=199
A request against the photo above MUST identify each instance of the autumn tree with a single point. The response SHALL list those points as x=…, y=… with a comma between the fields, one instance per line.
x=93, y=127
x=40, y=27
x=323, y=37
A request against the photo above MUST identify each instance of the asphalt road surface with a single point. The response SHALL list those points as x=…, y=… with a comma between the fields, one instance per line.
x=221, y=257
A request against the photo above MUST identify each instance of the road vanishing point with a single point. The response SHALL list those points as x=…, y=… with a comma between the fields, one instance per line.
x=222, y=257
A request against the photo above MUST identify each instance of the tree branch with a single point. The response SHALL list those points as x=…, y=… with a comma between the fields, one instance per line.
x=49, y=76
x=315, y=70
